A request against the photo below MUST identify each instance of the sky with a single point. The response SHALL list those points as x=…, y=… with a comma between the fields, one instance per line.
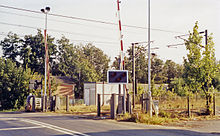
x=169, y=18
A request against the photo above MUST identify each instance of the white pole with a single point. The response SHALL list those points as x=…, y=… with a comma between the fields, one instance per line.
x=45, y=43
x=149, y=63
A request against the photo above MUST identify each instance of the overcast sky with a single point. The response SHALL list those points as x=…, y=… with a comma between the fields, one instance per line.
x=169, y=18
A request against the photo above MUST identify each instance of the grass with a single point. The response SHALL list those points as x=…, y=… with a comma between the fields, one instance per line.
x=83, y=109
x=172, y=111
x=146, y=119
x=13, y=110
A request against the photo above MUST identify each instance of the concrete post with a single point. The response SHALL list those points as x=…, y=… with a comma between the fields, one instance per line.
x=113, y=106
x=128, y=107
x=149, y=105
x=57, y=103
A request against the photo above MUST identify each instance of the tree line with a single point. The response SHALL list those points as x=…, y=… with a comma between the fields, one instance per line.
x=24, y=57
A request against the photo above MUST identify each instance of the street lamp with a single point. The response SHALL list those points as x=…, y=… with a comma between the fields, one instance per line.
x=149, y=110
x=45, y=11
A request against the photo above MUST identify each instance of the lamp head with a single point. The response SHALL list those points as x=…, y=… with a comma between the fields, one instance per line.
x=48, y=9
x=42, y=10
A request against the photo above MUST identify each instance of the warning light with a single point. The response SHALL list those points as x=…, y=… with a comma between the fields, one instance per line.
x=117, y=76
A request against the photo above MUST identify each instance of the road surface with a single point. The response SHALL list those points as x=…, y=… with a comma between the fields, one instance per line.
x=42, y=124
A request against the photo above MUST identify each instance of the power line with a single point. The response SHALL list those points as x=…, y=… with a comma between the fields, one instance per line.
x=88, y=20
x=54, y=30
x=11, y=13
x=72, y=23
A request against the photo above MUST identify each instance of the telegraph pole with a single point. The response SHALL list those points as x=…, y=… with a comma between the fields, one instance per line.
x=206, y=37
x=134, y=55
x=133, y=72
x=180, y=36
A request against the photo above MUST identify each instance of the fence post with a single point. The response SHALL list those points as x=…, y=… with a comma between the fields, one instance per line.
x=67, y=103
x=45, y=103
x=42, y=103
x=57, y=103
x=188, y=106
x=214, y=107
x=99, y=106
x=142, y=102
x=113, y=106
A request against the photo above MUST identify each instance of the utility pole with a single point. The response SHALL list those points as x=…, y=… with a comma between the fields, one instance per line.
x=206, y=37
x=149, y=66
x=134, y=55
x=133, y=73
x=180, y=36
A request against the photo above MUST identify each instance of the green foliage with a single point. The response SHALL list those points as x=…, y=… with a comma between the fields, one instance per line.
x=140, y=63
x=14, y=83
x=10, y=46
x=98, y=59
x=145, y=118
x=157, y=70
x=29, y=51
x=199, y=67
x=81, y=63
x=178, y=85
x=172, y=70
x=216, y=82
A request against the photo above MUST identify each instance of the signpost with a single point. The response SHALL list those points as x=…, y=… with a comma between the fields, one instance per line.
x=119, y=77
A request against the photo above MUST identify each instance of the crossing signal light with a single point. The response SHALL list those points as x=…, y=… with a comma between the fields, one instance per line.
x=117, y=76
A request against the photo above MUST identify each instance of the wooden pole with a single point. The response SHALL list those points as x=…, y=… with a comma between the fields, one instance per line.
x=67, y=103
x=188, y=106
x=214, y=107
x=99, y=106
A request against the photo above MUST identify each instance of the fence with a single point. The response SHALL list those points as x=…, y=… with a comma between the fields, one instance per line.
x=174, y=105
x=182, y=106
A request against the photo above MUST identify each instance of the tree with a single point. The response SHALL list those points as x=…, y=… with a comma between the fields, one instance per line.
x=98, y=59
x=72, y=62
x=199, y=66
x=14, y=83
x=140, y=63
x=11, y=46
x=209, y=70
x=29, y=51
x=157, y=66
x=172, y=70
x=178, y=86
x=33, y=52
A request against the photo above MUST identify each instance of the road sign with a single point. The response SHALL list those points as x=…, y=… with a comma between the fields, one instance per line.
x=117, y=76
